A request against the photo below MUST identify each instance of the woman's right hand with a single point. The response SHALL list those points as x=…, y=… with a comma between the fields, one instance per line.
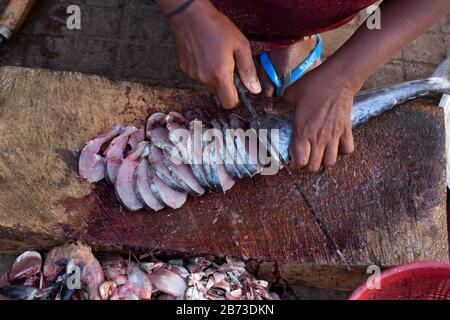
x=210, y=47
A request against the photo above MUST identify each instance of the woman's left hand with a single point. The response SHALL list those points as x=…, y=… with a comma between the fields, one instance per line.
x=322, y=123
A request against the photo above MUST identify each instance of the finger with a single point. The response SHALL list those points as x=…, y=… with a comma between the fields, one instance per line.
x=267, y=85
x=227, y=93
x=300, y=151
x=183, y=64
x=190, y=64
x=191, y=68
x=247, y=70
x=280, y=107
x=315, y=161
x=347, y=143
x=181, y=58
x=211, y=88
x=331, y=154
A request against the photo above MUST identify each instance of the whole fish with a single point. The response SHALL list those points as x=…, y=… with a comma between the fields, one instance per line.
x=186, y=158
x=367, y=104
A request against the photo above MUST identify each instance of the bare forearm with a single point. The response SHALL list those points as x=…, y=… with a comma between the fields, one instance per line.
x=402, y=21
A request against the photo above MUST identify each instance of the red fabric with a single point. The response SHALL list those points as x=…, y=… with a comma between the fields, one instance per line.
x=271, y=24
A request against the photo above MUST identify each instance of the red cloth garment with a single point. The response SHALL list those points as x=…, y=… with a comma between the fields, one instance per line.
x=271, y=24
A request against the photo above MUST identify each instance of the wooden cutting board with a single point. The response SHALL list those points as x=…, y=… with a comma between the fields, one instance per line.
x=385, y=204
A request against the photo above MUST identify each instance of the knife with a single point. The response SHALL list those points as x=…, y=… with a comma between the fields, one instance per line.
x=13, y=17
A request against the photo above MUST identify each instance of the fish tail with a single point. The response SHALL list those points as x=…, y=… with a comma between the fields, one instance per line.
x=443, y=72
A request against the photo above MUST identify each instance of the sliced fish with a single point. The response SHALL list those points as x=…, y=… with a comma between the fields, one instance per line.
x=227, y=159
x=233, y=152
x=156, y=131
x=142, y=185
x=124, y=184
x=183, y=175
x=177, y=127
x=181, y=172
x=156, y=160
x=195, y=146
x=114, y=154
x=242, y=145
x=136, y=137
x=159, y=136
x=251, y=149
x=223, y=180
x=92, y=164
x=206, y=158
x=171, y=198
x=157, y=119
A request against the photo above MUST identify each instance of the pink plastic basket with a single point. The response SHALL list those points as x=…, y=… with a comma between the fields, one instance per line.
x=414, y=281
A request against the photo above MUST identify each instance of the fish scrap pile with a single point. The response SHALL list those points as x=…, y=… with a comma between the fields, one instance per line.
x=158, y=166
x=72, y=272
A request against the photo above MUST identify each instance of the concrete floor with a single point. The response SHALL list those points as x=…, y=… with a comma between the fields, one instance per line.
x=6, y=262
x=130, y=40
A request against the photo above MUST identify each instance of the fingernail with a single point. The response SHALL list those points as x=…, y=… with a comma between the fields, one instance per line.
x=255, y=85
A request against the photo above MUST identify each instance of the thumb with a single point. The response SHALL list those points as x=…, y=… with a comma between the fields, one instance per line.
x=247, y=70
x=267, y=85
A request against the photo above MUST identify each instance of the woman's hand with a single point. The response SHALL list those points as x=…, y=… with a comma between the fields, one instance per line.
x=322, y=123
x=210, y=47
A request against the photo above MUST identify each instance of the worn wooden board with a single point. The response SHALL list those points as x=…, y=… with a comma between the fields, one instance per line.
x=385, y=204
